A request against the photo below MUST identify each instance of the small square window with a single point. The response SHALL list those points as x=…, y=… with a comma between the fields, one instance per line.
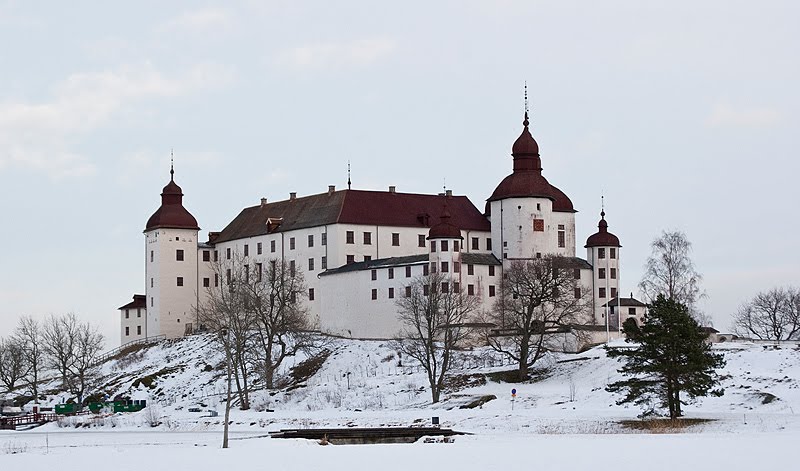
x=631, y=311
x=206, y=282
x=351, y=259
x=367, y=258
x=180, y=281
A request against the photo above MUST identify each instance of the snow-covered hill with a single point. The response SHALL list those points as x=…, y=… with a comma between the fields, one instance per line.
x=364, y=383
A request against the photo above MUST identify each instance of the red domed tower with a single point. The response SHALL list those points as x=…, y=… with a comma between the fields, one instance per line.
x=171, y=268
x=529, y=216
x=602, y=252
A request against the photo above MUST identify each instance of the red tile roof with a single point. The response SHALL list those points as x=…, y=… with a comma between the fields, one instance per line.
x=364, y=207
x=139, y=301
x=171, y=214
x=602, y=238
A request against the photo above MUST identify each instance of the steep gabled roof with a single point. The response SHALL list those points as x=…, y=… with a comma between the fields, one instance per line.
x=376, y=208
x=139, y=301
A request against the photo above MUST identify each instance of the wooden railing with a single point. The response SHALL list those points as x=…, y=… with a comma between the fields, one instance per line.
x=145, y=341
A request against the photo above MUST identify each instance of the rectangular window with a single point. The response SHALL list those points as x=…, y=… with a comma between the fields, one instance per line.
x=471, y=290
x=180, y=281
x=445, y=287
x=445, y=267
x=601, y=253
x=259, y=271
x=602, y=293
x=456, y=287
x=138, y=330
x=408, y=291
x=491, y=291
x=562, y=239
x=216, y=280
x=368, y=238
x=151, y=282
x=179, y=255
x=433, y=246
x=246, y=250
x=259, y=248
x=456, y=267
x=613, y=273
x=425, y=289
x=374, y=293
x=488, y=243
x=613, y=292
x=350, y=237
x=228, y=253
x=538, y=225
x=391, y=293
x=612, y=252
x=324, y=240
x=206, y=282
x=474, y=243
x=272, y=246
x=291, y=243
x=311, y=240
x=127, y=314
x=577, y=293
x=374, y=275
x=367, y=258
x=151, y=256
x=408, y=272
x=601, y=273
x=470, y=269
x=425, y=270
x=433, y=267
x=456, y=246
x=138, y=312
x=491, y=270
x=310, y=264
x=420, y=241
x=351, y=259
x=324, y=263
x=247, y=273
x=151, y=301
x=216, y=256
x=310, y=294
x=576, y=273
x=631, y=311
x=292, y=267
x=127, y=331
x=206, y=255
x=391, y=273
x=445, y=246
x=395, y=239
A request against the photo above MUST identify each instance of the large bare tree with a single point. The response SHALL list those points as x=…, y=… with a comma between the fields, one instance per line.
x=433, y=317
x=771, y=315
x=87, y=346
x=29, y=335
x=13, y=366
x=670, y=271
x=59, y=335
x=537, y=298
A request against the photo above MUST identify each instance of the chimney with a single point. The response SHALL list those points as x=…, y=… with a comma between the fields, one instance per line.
x=263, y=201
x=448, y=193
x=392, y=189
x=331, y=189
x=292, y=196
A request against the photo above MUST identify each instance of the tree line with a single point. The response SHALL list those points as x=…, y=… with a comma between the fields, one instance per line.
x=60, y=344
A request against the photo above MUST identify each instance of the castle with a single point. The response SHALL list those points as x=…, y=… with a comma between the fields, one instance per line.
x=359, y=250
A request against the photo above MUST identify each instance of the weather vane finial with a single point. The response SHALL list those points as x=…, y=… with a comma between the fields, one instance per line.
x=602, y=205
x=526, y=97
x=172, y=164
x=348, y=174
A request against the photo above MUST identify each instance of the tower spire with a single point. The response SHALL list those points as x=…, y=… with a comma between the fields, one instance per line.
x=172, y=165
x=348, y=174
x=526, y=122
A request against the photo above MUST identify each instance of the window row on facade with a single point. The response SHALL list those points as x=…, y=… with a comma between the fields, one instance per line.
x=426, y=289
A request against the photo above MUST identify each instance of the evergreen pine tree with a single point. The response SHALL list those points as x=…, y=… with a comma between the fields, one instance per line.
x=672, y=358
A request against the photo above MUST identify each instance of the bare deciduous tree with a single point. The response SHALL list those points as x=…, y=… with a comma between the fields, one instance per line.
x=88, y=345
x=670, y=271
x=770, y=315
x=29, y=335
x=434, y=316
x=58, y=342
x=13, y=366
x=537, y=297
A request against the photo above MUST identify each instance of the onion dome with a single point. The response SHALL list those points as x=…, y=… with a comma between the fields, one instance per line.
x=602, y=238
x=445, y=229
x=527, y=179
x=171, y=214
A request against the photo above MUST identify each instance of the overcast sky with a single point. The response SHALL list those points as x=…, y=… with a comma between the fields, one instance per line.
x=683, y=114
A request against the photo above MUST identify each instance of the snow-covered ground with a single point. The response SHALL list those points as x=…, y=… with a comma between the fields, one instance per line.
x=564, y=419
